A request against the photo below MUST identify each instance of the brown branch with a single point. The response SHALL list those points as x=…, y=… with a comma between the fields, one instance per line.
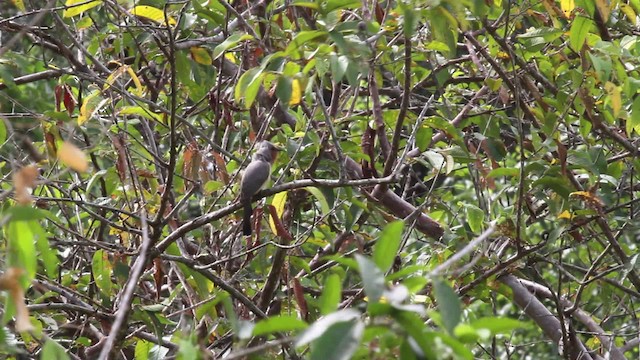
x=609, y=346
x=215, y=215
x=125, y=297
x=43, y=75
x=549, y=324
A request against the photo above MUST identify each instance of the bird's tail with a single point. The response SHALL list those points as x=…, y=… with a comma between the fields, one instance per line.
x=246, y=222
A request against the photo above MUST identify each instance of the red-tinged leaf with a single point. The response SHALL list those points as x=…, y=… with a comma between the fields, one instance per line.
x=221, y=167
x=277, y=222
x=213, y=101
x=121, y=161
x=50, y=141
x=562, y=156
x=298, y=292
x=158, y=276
x=69, y=101
x=379, y=13
x=191, y=164
x=57, y=92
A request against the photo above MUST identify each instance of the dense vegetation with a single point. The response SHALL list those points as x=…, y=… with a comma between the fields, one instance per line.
x=458, y=179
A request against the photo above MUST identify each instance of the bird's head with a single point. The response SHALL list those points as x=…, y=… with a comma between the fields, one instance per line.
x=268, y=151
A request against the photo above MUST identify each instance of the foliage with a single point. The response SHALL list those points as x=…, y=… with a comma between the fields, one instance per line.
x=459, y=179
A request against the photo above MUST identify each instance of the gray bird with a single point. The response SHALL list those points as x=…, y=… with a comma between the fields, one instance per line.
x=254, y=178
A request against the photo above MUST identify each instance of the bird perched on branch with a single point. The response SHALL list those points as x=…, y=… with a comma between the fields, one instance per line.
x=254, y=178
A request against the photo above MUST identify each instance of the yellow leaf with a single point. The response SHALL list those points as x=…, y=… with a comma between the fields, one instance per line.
x=614, y=95
x=72, y=9
x=136, y=81
x=279, y=200
x=296, y=93
x=91, y=104
x=73, y=157
x=114, y=76
x=201, y=55
x=84, y=23
x=628, y=11
x=604, y=9
x=19, y=4
x=589, y=198
x=565, y=215
x=153, y=14
x=121, y=71
x=567, y=6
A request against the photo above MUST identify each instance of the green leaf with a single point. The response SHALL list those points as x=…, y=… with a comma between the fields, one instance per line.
x=498, y=325
x=578, y=33
x=448, y=304
x=560, y=185
x=443, y=25
x=318, y=328
x=423, y=137
x=212, y=186
x=51, y=350
x=410, y=19
x=48, y=255
x=507, y=172
x=140, y=111
x=331, y=294
x=228, y=43
x=283, y=89
x=142, y=349
x=71, y=10
x=441, y=124
x=324, y=204
x=602, y=65
x=386, y=248
x=332, y=5
x=187, y=349
x=415, y=327
x=307, y=4
x=475, y=217
x=216, y=17
x=633, y=122
x=456, y=346
x=372, y=278
x=22, y=250
x=467, y=334
x=3, y=132
x=339, y=342
x=278, y=324
x=248, y=86
x=102, y=268
x=546, y=33
x=302, y=38
x=353, y=72
x=339, y=65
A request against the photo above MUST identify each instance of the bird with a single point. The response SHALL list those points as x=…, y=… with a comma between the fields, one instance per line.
x=254, y=178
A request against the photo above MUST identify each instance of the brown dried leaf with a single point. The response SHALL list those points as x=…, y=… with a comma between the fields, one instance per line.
x=73, y=157
x=9, y=281
x=23, y=180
